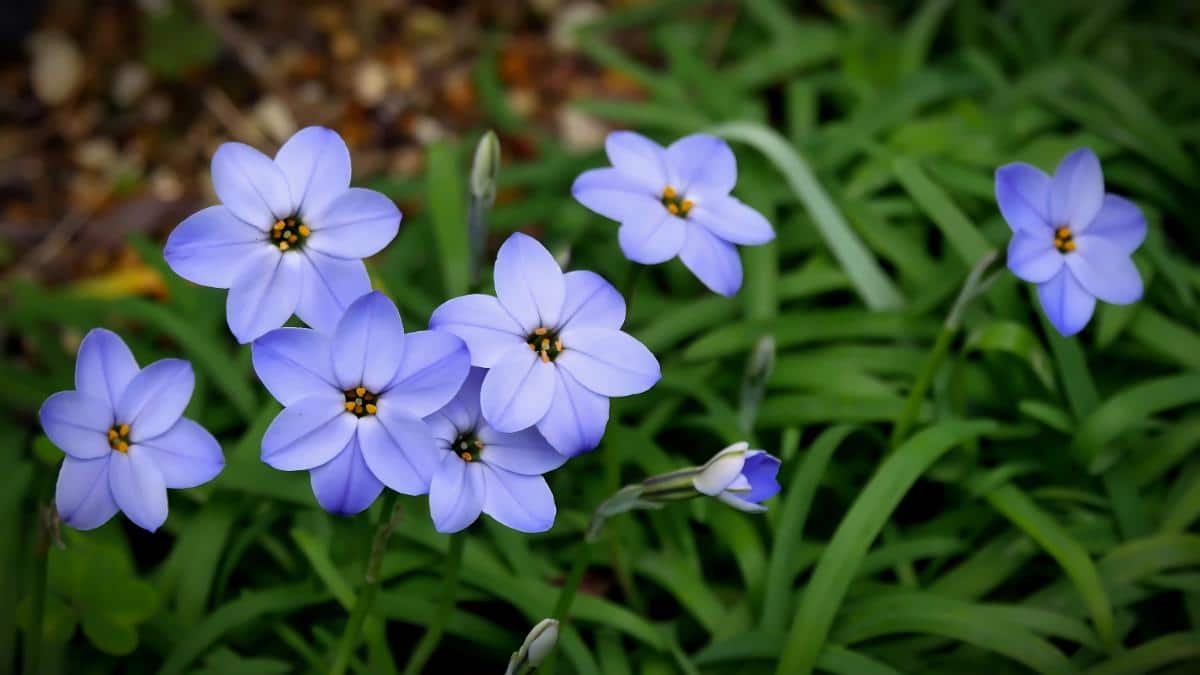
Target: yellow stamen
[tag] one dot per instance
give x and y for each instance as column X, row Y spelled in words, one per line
column 545, row 357
column 686, row 206
column 540, row 330
column 372, row 408
column 545, row 344
column 360, row 391
column 668, row 192
column 467, row 456
column 358, row 410
column 532, row 348
column 283, row 246
column 478, row 443
column 122, row 446
column 559, row 345
column 349, row 406
column 1069, row 245
column 112, row 434
column 277, row 226
column 673, row 208
column 293, row 239
column 123, row 430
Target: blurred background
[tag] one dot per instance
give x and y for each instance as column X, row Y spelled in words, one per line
column 1062, row 540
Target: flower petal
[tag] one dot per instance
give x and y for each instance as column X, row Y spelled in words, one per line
column 1067, row 305
column 523, row 503
column 651, row 237
column 328, row 286
column 211, row 246
column 721, row 471
column 591, row 301
column 730, row 219
column 368, row 343
column 1120, row 221
column 1032, row 256
column 400, row 450
column 1077, row 190
column 517, row 391
column 138, row 488
column 294, row 363
column 714, row 262
column 155, row 399
column 186, row 455
column 358, row 224
column 529, row 282
column 264, row 295
column 702, row 164
column 614, row 194
column 609, row 362
column 1023, row 195
column 82, row 496
column 104, row 366
column 640, row 158
column 316, row 165
column 761, row 471
column 251, row 185
column 481, row 322
column 456, row 494
column 77, row 424
column 525, row 452
column 1104, row 270
column 462, row 413
column 345, row 485
column 431, row 372
column 576, row 419
column 308, row 433
column 740, row 503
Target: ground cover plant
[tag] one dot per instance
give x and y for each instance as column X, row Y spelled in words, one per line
column 929, row 265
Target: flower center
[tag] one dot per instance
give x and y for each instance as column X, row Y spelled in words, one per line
column 1063, row 240
column 289, row 233
column 118, row 437
column 467, row 446
column 361, row 402
column 545, row 343
column 675, row 204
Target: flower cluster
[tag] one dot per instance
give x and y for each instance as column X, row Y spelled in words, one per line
column 502, row 388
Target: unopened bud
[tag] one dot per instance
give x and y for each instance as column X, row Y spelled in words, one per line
column 537, row 646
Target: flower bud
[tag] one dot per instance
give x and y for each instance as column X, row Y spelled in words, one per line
column 486, row 168
column 537, row 646
column 740, row 477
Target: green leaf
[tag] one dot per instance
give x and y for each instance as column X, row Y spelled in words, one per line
column 109, row 635
column 1127, row 409
column 960, row 233
column 444, row 185
column 868, row 278
column 176, row 41
column 862, row 523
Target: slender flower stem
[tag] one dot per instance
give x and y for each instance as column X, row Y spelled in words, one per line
column 366, row 595
column 566, row 596
column 433, row 635
column 974, row 286
column 631, row 283
column 41, row 559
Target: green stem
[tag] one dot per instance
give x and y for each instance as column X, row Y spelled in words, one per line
column 433, row 635
column 41, row 549
column 565, row 597
column 370, row 587
column 629, row 290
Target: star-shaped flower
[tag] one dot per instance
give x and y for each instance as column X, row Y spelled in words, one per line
column 676, row 202
column 289, row 236
column 482, row 469
column 1071, row 238
column 553, row 344
column 125, row 436
column 354, row 403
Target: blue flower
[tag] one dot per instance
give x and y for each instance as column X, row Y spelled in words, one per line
column 676, row 202
column 125, row 436
column 289, row 235
column 740, row 477
column 481, row 469
column 1071, row 238
column 553, row 344
column 354, row 402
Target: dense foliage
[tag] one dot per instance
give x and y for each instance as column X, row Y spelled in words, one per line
column 964, row 489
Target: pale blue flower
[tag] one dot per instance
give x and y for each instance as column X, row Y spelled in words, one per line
column 354, row 402
column 484, row 470
column 289, row 236
column 676, row 202
column 553, row 344
column 1071, row 238
column 125, row 437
